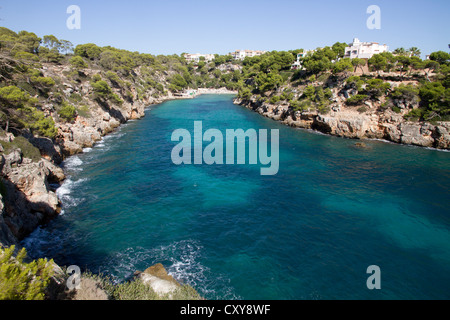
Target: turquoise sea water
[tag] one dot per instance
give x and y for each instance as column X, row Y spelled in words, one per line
column 309, row 232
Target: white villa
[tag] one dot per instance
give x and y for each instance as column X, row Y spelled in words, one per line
column 364, row 50
column 242, row 54
column 196, row 57
column 298, row 64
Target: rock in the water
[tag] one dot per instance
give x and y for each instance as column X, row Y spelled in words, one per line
column 361, row 145
column 159, row 280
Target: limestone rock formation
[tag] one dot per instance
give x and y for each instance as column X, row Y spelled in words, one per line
column 349, row 123
column 159, row 280
column 28, row 199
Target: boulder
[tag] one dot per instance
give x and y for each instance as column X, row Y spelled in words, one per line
column 28, row 201
column 14, row 158
column 55, row 173
column 31, row 180
column 412, row 133
column 49, row 150
column 442, row 137
column 159, row 280
column 71, row 148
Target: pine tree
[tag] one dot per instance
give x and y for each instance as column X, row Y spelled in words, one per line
column 20, row 280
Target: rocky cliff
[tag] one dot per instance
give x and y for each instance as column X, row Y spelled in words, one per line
column 368, row 120
column 28, row 197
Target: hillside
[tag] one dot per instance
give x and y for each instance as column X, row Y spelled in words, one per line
column 56, row 100
column 400, row 97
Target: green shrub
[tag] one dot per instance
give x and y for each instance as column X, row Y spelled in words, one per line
column 136, row 289
column 129, row 96
column 20, row 280
column 245, row 93
column 113, row 77
column 43, row 82
column 96, row 77
column 177, row 83
column 21, row 55
column 14, row 95
column 67, row 112
column 78, row 62
column 355, row 82
column 407, row 92
column 309, row 91
column 75, row 97
column 323, row 108
column 362, row 109
column 274, row 99
column 84, row 111
column 37, row 121
column 160, row 87
column 115, row 99
column 88, row 50
column 377, row 87
column 302, row 105
column 414, row 115
column 396, row 109
column 101, row 89
column 357, row 99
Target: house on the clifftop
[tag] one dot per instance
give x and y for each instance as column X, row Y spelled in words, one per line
column 242, row 54
column 364, row 50
column 196, row 57
column 298, row 63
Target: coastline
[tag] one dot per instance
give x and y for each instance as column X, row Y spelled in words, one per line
column 30, row 196
column 386, row 126
column 84, row 133
column 318, row 132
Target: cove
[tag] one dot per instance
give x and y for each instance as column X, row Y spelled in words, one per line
column 309, row 232
column 235, row 139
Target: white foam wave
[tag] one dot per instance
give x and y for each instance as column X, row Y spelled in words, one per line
column 87, row 150
column 113, row 136
column 409, row 145
column 40, row 243
column 182, row 261
column 64, row 192
column 73, row 163
column 100, row 143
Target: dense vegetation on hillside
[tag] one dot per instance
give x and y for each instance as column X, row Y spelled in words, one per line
column 20, row 280
column 269, row 78
column 33, row 102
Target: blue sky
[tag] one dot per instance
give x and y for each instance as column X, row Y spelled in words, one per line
column 216, row 26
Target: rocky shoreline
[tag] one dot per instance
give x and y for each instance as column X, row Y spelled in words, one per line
column 28, row 187
column 349, row 123
column 29, row 198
